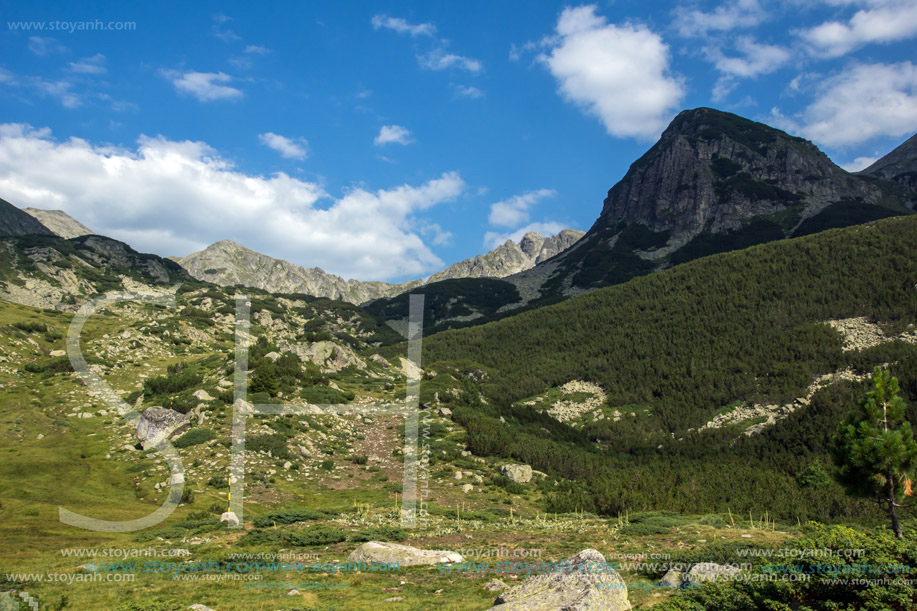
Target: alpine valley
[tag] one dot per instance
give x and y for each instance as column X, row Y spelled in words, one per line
column 663, row 388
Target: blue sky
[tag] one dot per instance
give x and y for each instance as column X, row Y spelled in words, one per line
column 386, row 140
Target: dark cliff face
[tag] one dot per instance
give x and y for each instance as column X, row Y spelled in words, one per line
column 716, row 182
column 713, row 171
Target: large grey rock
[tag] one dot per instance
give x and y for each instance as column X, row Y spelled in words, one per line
column 405, row 555
column 329, row 356
column 521, row 474
column 158, row 424
column 710, row 571
column 231, row 519
column 584, row 582
column 672, row 579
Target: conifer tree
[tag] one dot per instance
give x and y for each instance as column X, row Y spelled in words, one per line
column 875, row 449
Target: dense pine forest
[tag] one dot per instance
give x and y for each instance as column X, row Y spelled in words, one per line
column 676, row 348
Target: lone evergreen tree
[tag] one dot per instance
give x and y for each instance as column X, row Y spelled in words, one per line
column 875, row 449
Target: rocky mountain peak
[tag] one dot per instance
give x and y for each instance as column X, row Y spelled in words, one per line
column 531, row 243
column 712, row 170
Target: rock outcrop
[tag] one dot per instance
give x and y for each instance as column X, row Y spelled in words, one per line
column 58, row 273
column 404, row 555
column 521, row 474
column 227, row 263
column 584, row 582
column 710, row 571
column 673, row 578
column 329, row 356
column 158, row 424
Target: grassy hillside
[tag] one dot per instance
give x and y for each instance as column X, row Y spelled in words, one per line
column 670, row 351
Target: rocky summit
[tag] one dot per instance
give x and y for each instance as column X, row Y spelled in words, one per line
column 716, row 182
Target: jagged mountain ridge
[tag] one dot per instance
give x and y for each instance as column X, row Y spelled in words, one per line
column 59, row 222
column 15, row 222
column 228, row 263
column 511, row 258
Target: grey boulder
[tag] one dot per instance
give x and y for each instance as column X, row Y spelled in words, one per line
column 404, row 555
column 584, row 582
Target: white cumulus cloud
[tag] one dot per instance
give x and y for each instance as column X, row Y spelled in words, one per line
column 882, row 21
column 861, row 103
column 172, row 198
column 618, row 73
column 754, row 58
column 389, row 134
column 205, row 86
column 290, row 148
column 468, row 91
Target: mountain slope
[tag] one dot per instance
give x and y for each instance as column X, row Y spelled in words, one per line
column 900, row 165
column 767, row 341
column 52, row 272
column 714, row 182
column 59, row 222
column 15, row 222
